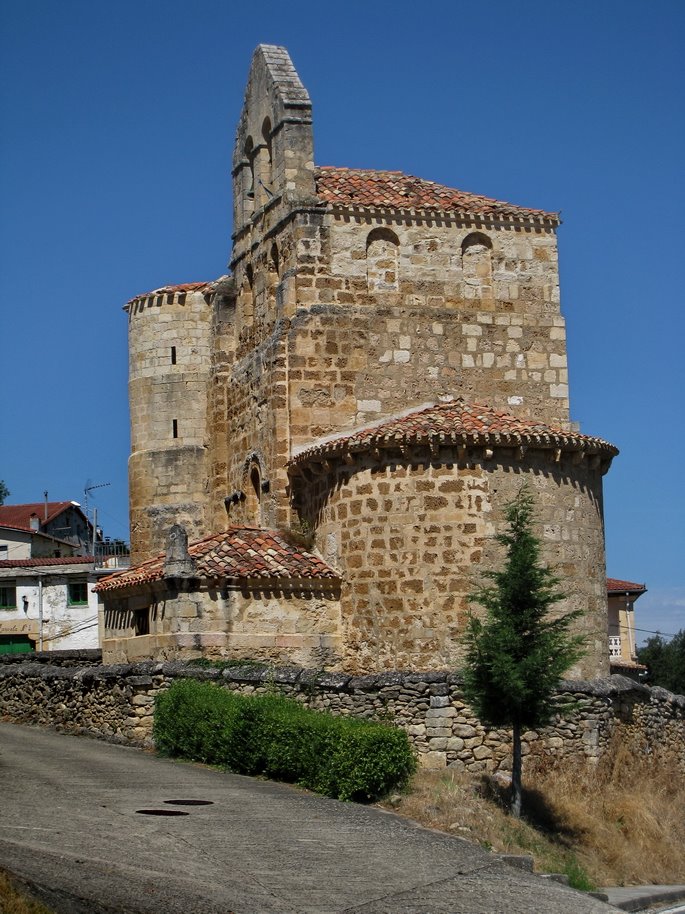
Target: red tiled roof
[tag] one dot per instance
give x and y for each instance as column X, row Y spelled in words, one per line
column 455, row 422
column 614, row 585
column 182, row 287
column 621, row 664
column 239, row 552
column 365, row 187
column 47, row 560
column 19, row 516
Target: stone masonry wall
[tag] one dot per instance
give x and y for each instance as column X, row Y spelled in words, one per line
column 361, row 349
column 412, row 534
column 169, row 356
column 116, row 703
column 272, row 624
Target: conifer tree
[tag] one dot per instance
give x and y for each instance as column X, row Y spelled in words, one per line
column 517, row 655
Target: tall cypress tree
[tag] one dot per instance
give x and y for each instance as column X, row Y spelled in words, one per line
column 517, row 655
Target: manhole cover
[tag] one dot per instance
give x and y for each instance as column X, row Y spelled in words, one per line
column 162, row 812
column 190, row 802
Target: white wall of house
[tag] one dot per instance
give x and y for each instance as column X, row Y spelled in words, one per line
column 68, row 623
column 14, row 544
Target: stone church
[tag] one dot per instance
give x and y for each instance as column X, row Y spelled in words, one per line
column 323, row 440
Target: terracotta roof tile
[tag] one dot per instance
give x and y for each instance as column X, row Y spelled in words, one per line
column 393, row 189
column 47, row 560
column 618, row 663
column 455, row 422
column 19, row 516
column 163, row 290
column 237, row 553
column 614, row 585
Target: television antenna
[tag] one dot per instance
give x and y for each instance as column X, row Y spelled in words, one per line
column 87, row 489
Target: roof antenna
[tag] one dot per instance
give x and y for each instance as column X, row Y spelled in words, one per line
column 89, row 488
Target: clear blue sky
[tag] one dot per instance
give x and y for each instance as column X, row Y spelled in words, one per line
column 118, row 121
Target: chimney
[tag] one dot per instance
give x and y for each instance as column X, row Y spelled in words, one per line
column 45, row 495
column 34, row 522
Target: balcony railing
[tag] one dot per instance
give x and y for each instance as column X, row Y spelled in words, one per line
column 112, row 555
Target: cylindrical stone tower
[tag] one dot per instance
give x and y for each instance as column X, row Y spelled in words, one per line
column 169, row 355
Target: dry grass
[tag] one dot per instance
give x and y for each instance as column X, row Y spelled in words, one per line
column 15, row 900
column 620, row 822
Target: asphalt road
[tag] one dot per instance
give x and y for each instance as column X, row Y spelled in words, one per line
column 70, row 825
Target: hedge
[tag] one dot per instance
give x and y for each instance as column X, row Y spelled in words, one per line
column 341, row 757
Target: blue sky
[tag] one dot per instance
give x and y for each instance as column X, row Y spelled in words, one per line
column 118, row 122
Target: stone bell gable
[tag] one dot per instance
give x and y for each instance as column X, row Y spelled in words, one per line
column 355, row 299
column 273, row 154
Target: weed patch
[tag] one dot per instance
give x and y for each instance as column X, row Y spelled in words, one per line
column 618, row 822
column 14, row 900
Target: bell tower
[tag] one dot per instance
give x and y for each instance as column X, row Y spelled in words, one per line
column 273, row 155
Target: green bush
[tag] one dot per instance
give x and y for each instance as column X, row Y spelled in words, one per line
column 341, row 757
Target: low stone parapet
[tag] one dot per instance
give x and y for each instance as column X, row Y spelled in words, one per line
column 116, row 703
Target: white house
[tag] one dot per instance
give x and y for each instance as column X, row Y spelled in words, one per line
column 48, row 604
column 48, row 528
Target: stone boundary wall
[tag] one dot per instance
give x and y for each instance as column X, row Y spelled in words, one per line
column 116, row 703
column 79, row 658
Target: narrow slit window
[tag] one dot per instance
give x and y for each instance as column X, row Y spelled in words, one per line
column 173, row 355
column 174, row 427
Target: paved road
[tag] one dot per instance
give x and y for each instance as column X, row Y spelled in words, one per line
column 69, row 823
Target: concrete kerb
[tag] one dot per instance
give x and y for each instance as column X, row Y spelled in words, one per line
column 642, row 897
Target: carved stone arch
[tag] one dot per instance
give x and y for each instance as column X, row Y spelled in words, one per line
column 476, row 260
column 382, row 260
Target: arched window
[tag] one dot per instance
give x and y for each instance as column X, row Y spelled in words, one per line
column 253, row 491
column 382, row 261
column 266, row 158
column 246, row 298
column 476, row 259
column 249, row 178
column 274, row 265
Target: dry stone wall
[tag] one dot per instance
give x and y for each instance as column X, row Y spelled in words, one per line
column 116, row 703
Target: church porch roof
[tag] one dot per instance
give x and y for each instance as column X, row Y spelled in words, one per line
column 240, row 552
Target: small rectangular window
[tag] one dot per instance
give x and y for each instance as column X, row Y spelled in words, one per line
column 78, row 593
column 174, row 428
column 173, row 355
column 8, row 596
column 141, row 621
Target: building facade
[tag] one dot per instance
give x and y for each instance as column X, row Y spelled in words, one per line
column 381, row 370
column 49, row 604
column 49, row 528
column 622, row 630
